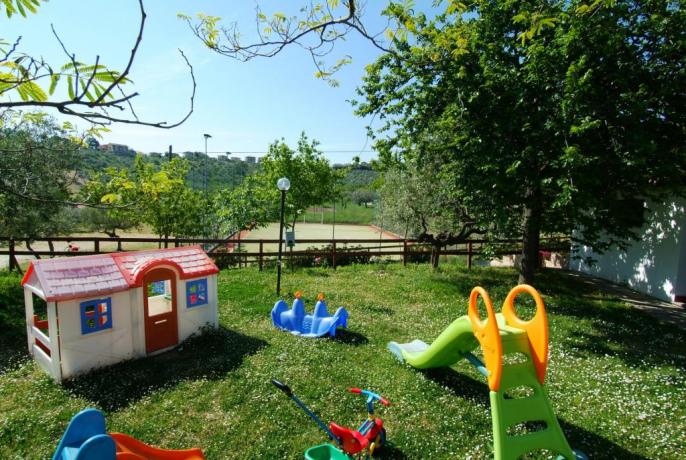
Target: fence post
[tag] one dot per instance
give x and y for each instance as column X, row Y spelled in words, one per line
column 260, row 256
column 176, row 242
column 96, row 246
column 405, row 253
column 469, row 255
column 333, row 254
column 11, row 247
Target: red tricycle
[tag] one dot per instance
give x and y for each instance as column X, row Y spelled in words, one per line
column 368, row 438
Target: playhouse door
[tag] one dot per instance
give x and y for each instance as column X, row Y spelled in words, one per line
column 159, row 298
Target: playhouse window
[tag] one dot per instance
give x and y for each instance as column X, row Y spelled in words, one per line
column 196, row 293
column 96, row 315
column 159, row 297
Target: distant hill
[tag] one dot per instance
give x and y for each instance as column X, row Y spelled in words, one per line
column 222, row 172
column 360, row 177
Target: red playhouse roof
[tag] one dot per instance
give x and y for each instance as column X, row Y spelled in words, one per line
column 87, row 276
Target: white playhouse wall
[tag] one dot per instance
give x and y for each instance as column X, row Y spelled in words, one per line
column 192, row 319
column 82, row 352
column 126, row 339
column 655, row 264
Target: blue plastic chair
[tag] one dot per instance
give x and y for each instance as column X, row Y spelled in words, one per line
column 86, row 438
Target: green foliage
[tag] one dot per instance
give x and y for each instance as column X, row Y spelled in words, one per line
column 418, row 201
column 222, row 173
column 111, row 186
column 23, row 73
column 19, row 6
column 570, row 129
column 146, row 194
column 12, row 319
column 313, row 180
column 37, row 171
column 250, row 205
column 363, row 197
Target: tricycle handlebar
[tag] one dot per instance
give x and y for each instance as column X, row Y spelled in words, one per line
column 370, row 394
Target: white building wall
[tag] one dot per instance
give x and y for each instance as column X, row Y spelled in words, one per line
column 82, row 352
column 656, row 264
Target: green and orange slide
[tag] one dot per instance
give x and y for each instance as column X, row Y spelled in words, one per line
column 515, row 360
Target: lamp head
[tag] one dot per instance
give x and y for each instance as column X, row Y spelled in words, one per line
column 283, row 184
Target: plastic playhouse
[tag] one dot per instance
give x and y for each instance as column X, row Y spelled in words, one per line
column 515, row 358
column 87, row 439
column 107, row 308
column 367, row 439
column 317, row 324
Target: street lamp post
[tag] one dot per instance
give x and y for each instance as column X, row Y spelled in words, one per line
column 206, row 136
column 283, row 185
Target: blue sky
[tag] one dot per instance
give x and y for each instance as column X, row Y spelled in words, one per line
column 244, row 106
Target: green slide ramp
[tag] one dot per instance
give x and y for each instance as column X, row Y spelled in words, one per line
column 448, row 348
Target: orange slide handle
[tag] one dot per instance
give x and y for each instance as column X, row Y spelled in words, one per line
column 486, row 332
column 536, row 328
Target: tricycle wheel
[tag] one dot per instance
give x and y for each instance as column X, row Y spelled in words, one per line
column 378, row 442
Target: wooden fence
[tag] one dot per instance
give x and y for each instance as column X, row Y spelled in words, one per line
column 244, row 252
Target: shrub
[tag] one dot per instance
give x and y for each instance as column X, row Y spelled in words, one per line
column 418, row 254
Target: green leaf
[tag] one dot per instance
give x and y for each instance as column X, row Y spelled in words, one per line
column 521, row 17
column 70, row 87
column 20, row 7
column 54, row 79
column 87, row 93
column 110, row 198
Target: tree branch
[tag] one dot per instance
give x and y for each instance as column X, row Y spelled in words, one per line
column 322, row 26
column 94, row 110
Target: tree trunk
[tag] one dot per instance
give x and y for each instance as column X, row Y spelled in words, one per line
column 28, row 246
column 435, row 256
column 531, row 236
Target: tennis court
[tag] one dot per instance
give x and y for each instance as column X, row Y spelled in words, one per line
column 314, row 232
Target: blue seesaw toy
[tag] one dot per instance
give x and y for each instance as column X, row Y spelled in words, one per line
column 317, row 324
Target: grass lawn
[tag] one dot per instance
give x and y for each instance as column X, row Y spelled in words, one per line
column 616, row 377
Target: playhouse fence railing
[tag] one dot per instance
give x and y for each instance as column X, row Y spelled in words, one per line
column 262, row 253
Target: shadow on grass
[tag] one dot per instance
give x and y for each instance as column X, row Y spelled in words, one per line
column 460, row 384
column 597, row 318
column 348, row 337
column 593, row 445
column 207, row 356
column 390, row 451
column 609, row 327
